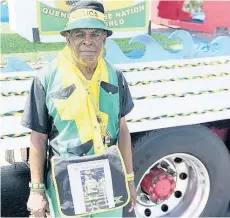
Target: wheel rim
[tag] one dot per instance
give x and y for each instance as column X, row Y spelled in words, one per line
column 190, row 194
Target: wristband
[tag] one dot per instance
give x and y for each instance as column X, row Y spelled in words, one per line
column 36, row 190
column 39, row 186
column 130, row 180
column 130, row 177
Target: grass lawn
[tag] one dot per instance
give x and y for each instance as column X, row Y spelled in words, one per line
column 13, row 43
column 15, row 46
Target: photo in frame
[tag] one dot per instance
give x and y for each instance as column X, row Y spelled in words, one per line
column 91, row 186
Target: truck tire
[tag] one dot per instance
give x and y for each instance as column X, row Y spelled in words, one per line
column 198, row 162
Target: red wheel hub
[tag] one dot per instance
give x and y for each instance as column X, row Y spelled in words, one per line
column 158, row 184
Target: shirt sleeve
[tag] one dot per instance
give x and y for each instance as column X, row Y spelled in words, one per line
column 35, row 116
column 126, row 98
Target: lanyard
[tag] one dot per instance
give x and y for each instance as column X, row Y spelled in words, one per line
column 105, row 138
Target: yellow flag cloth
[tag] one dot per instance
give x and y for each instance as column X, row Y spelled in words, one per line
column 79, row 105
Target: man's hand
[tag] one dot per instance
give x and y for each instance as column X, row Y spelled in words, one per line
column 133, row 195
column 38, row 204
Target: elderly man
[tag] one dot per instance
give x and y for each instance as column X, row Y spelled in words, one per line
column 77, row 105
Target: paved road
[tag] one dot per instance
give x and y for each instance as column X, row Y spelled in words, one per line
column 14, row 189
column 228, row 213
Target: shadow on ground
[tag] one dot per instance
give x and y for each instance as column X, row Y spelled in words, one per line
column 14, row 190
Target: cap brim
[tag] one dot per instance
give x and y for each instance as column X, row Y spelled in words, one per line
column 87, row 23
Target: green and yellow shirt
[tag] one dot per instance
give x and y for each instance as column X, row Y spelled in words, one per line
column 59, row 105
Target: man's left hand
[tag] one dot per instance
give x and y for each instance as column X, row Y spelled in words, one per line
column 133, row 195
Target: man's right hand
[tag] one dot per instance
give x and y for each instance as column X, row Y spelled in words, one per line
column 38, row 204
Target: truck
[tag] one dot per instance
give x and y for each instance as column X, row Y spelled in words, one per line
column 179, row 126
column 181, row 119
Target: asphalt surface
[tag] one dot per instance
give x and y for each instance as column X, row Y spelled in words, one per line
column 228, row 213
column 14, row 189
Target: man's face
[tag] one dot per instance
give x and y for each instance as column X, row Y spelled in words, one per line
column 86, row 44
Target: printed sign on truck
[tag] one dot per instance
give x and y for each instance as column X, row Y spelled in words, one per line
column 120, row 16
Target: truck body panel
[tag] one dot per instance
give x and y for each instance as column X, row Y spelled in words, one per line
column 166, row 94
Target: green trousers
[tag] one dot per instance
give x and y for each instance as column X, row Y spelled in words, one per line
column 54, row 211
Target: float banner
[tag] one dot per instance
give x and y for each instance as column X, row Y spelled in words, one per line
column 133, row 18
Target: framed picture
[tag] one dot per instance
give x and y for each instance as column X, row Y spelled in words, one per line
column 91, row 186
